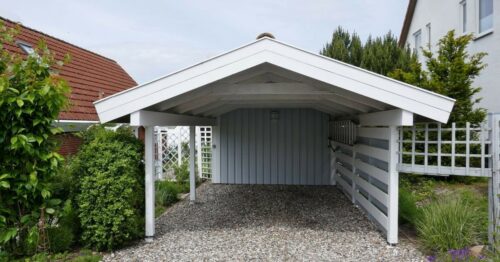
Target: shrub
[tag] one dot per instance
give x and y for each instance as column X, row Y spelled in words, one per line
column 109, row 178
column 167, row 192
column 408, row 211
column 449, row 223
column 60, row 238
column 31, row 98
column 182, row 172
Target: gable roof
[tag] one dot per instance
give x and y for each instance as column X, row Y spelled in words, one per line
column 267, row 51
column 407, row 22
column 91, row 76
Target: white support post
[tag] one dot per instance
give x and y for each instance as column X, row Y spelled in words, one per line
column 354, row 175
column 149, row 182
column 333, row 167
column 192, row 169
column 216, row 152
column 393, row 187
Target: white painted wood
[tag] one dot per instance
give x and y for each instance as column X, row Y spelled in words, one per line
column 381, row 218
column 270, row 51
column 393, row 187
column 453, row 137
column 289, row 150
column 374, row 171
column 192, row 168
column 396, row 117
column 494, row 181
column 216, row 152
column 149, row 181
column 179, row 147
column 151, row 118
column 444, row 170
column 373, row 132
column 467, row 147
column 372, row 190
column 366, row 173
column 374, row 152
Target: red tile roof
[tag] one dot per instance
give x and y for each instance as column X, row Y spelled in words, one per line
column 90, row 75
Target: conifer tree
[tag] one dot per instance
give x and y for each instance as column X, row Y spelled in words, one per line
column 381, row 55
column 450, row 72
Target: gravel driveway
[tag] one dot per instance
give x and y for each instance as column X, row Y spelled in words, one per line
column 271, row 223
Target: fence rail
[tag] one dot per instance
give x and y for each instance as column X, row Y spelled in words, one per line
column 362, row 171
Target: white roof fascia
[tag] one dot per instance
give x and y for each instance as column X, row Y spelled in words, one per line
column 266, row 50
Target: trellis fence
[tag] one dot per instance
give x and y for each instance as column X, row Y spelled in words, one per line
column 172, row 150
column 361, row 164
column 433, row 149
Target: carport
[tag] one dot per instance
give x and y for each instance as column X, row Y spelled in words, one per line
column 282, row 115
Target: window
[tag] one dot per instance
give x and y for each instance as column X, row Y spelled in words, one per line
column 428, row 27
column 463, row 16
column 418, row 41
column 28, row 49
column 485, row 15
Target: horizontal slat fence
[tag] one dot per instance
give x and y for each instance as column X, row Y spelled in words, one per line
column 432, row 149
column 362, row 172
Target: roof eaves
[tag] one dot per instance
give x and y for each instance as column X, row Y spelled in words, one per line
column 407, row 22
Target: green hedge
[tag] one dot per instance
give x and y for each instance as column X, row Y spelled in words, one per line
column 109, row 182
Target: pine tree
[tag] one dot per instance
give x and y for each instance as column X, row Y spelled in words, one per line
column 380, row 55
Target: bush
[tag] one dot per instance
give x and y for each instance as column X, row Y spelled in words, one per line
column 182, row 172
column 167, row 192
column 109, row 177
column 449, row 223
column 409, row 213
column 60, row 238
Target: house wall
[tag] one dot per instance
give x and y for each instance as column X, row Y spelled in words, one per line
column 445, row 15
column 255, row 149
column 69, row 144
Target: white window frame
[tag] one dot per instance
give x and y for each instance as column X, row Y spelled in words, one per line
column 428, row 28
column 478, row 20
column 27, row 48
column 463, row 15
column 418, row 34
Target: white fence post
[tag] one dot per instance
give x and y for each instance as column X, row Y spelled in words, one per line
column 199, row 151
column 393, row 187
column 192, row 170
column 179, row 145
column 494, row 181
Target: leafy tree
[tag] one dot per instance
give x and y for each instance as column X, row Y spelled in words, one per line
column 31, row 97
column 450, row 72
column 380, row 55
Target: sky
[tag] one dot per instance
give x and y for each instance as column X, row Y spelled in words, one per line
column 152, row 38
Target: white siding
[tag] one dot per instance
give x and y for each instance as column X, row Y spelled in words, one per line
column 431, row 11
column 290, row 150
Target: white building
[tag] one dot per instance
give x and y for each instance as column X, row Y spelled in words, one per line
column 427, row 21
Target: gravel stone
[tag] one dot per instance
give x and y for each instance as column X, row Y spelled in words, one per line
column 266, row 223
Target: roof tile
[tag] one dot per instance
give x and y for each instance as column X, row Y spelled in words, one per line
column 90, row 75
